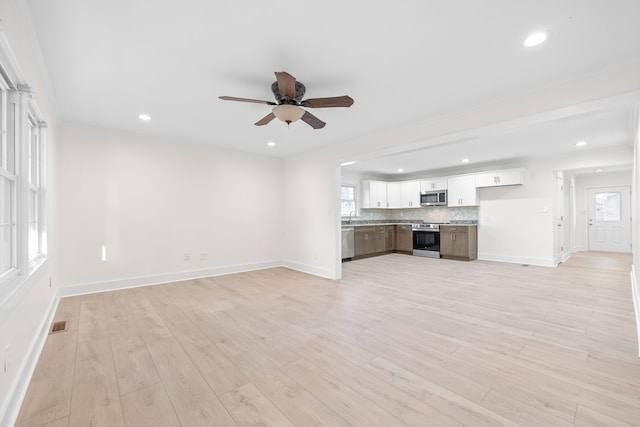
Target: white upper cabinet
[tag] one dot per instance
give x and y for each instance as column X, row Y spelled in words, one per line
column 410, row 194
column 374, row 194
column 433, row 184
column 499, row 178
column 390, row 195
column 462, row 191
column 403, row 194
column 394, row 194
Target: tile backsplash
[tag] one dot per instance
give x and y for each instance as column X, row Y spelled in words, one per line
column 426, row 214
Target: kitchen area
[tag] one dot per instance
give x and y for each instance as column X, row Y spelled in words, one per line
column 432, row 218
column 453, row 240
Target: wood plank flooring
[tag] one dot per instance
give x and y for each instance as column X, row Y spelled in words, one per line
column 399, row 341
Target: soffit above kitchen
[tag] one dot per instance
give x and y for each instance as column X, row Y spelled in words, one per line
column 572, row 135
column 403, row 62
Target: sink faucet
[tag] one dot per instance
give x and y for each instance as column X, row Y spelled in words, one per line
column 350, row 213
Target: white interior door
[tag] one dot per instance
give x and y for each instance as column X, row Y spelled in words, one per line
column 609, row 219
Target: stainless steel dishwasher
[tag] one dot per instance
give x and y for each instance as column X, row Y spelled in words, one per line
column 347, row 243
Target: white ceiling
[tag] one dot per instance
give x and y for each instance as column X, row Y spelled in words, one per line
column 599, row 130
column 403, row 62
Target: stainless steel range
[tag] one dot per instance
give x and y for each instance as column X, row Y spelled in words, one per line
column 426, row 240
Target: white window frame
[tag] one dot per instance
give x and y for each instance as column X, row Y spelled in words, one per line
column 355, row 200
column 23, row 127
column 8, row 172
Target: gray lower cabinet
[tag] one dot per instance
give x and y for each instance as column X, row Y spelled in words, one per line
column 404, row 238
column 459, row 242
column 364, row 239
column 381, row 239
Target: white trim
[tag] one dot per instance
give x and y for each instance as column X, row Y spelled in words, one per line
column 20, row 385
column 563, row 257
column 310, row 269
column 635, row 291
column 136, row 282
column 540, row 262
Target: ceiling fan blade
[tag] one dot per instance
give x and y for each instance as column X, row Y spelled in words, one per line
column 286, row 84
column 266, row 119
column 336, row 101
column 255, row 101
column 312, row 120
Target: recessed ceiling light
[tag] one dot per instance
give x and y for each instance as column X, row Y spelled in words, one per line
column 271, row 144
column 465, row 160
column 400, row 170
column 581, row 143
column 535, row 39
column 352, row 162
column 144, row 117
column 598, row 170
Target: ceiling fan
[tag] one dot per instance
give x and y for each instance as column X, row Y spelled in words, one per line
column 288, row 108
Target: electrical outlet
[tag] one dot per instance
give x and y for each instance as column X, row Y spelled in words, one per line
column 204, row 256
column 187, row 257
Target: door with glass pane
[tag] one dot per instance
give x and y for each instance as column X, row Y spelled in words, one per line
column 609, row 219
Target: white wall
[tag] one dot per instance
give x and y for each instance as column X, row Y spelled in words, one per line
column 583, row 182
column 312, row 215
column 516, row 222
column 150, row 202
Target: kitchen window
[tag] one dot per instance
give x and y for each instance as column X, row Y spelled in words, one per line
column 347, row 200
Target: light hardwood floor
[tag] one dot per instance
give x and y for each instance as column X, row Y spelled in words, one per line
column 400, row 340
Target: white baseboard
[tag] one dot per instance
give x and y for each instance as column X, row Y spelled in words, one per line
column 135, row 282
column 9, row 414
column 635, row 291
column 562, row 258
column 541, row 262
column 309, row 269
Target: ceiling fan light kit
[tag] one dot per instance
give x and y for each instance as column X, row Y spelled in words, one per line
column 288, row 113
column 288, row 108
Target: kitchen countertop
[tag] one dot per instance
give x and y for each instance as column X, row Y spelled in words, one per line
column 373, row 223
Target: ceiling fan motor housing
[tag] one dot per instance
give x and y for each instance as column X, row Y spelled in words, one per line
column 283, row 100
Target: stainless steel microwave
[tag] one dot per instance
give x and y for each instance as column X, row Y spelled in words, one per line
column 433, row 198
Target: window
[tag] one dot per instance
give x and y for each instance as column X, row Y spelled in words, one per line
column 23, row 243
column 34, row 178
column 7, row 191
column 608, row 207
column 348, row 200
